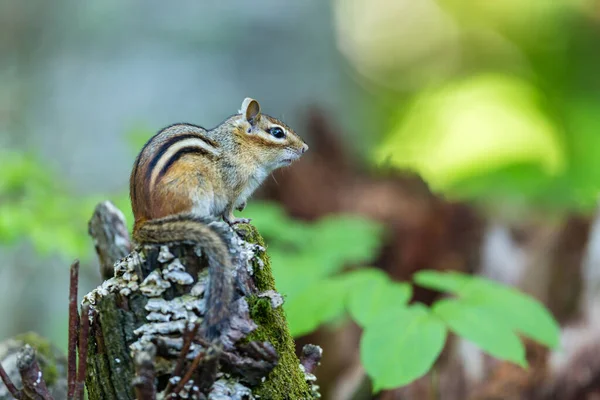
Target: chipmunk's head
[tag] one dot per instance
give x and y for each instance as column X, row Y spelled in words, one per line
column 273, row 143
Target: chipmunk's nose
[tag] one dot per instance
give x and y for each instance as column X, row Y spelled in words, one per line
column 304, row 148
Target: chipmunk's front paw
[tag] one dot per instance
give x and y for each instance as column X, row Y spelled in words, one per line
column 241, row 207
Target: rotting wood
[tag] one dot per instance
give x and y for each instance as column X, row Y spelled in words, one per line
column 157, row 295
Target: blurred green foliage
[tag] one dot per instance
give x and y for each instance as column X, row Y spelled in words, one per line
column 512, row 119
column 37, row 206
column 473, row 128
column 488, row 138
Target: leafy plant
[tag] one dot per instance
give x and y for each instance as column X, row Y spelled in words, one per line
column 400, row 341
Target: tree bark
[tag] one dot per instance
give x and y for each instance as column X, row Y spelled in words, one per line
column 144, row 340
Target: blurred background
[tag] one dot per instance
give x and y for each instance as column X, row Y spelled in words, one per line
column 469, row 132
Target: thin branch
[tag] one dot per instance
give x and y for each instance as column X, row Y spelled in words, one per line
column 189, row 373
column 84, row 335
column 16, row 393
column 188, row 338
column 73, row 331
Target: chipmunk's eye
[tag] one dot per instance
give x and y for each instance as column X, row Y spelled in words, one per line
column 277, row 132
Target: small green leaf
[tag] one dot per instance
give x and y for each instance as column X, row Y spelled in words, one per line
column 482, row 328
column 451, row 282
column 358, row 277
column 373, row 296
column 401, row 346
column 519, row 311
column 516, row 310
column 267, row 214
column 276, row 227
column 358, row 237
column 294, row 270
column 311, row 302
column 316, row 304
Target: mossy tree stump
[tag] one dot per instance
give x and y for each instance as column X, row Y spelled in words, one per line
column 148, row 310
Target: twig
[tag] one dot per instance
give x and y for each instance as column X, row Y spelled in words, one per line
column 84, row 335
column 189, row 373
column 73, row 331
column 188, row 338
column 34, row 386
column 16, row 393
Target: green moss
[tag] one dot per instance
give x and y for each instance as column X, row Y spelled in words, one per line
column 286, row 381
column 259, row 309
column 51, row 360
column 114, row 323
column 98, row 371
column 110, row 369
column 39, row 343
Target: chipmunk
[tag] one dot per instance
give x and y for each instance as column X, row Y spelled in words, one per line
column 186, row 176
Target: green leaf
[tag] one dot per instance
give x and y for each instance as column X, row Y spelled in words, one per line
column 360, row 276
column 349, row 238
column 482, row 328
column 275, row 226
column 316, row 304
column 452, row 282
column 294, row 270
column 311, row 302
column 520, row 312
column 401, row 346
column 374, row 295
column 516, row 310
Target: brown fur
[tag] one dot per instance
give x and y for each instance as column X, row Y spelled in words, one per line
column 186, row 175
column 227, row 175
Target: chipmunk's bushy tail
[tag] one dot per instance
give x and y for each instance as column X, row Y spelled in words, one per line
column 213, row 241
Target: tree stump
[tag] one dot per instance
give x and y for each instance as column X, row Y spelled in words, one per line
column 144, row 334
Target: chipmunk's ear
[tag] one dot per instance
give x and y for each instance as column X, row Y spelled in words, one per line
column 250, row 110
